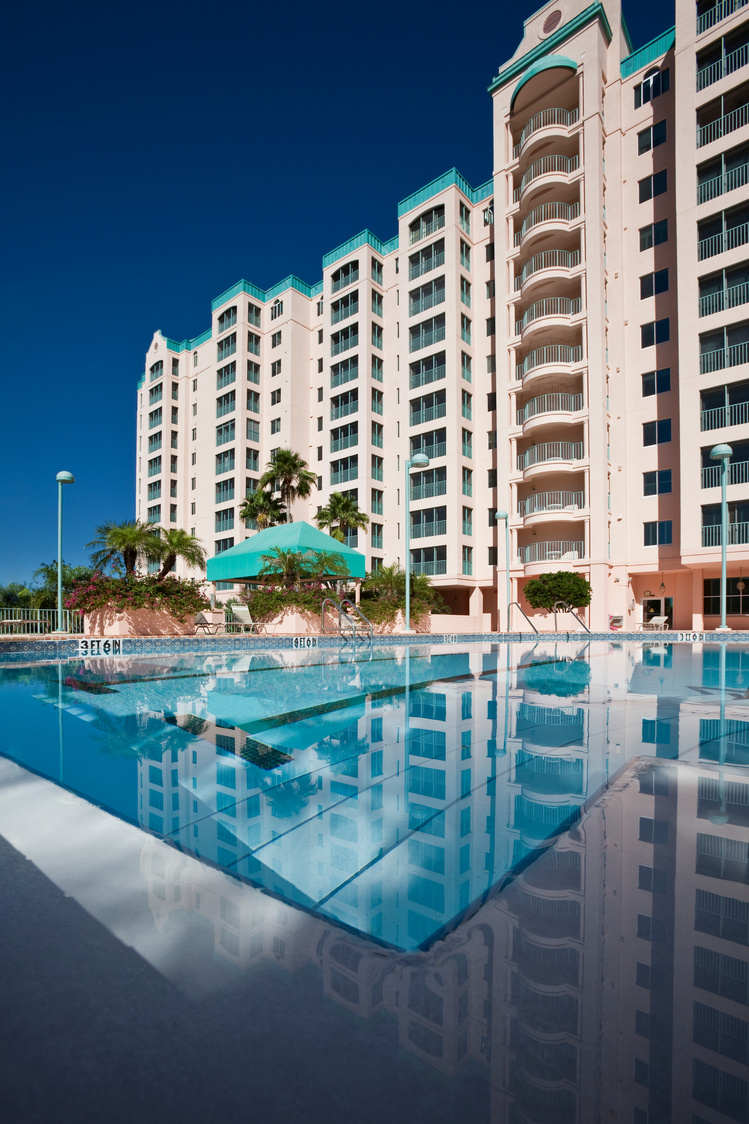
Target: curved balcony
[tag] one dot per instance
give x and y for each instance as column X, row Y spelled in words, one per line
column 554, row 167
column 551, row 312
column 548, row 265
column 546, row 122
column 552, row 355
column 558, row 453
column 550, row 776
column 555, row 551
column 543, row 821
column 549, row 409
column 547, row 218
column 544, row 505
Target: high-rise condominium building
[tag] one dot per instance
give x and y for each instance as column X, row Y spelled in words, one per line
column 566, row 343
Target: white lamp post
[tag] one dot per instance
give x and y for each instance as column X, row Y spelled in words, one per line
column 62, row 478
column 418, row 460
column 723, row 453
column 503, row 515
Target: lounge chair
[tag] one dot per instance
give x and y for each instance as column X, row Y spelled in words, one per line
column 242, row 619
column 208, row 628
column 655, row 624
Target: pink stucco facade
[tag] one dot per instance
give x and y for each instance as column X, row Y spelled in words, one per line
column 566, row 342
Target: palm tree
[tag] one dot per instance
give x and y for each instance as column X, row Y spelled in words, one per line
column 293, row 567
column 177, row 543
column 293, row 474
column 341, row 514
column 264, row 508
column 125, row 542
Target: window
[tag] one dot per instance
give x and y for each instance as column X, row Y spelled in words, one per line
column 194, row 358
column 656, row 483
column 346, row 275
column 253, row 315
column 654, row 234
column 225, row 491
column 429, row 560
column 490, row 289
column 465, row 292
column 224, row 462
column 376, row 271
column 490, row 251
column 467, row 478
column 377, row 303
column 656, row 382
column 276, row 310
column 253, row 401
column 378, row 368
column 377, row 336
column 345, row 371
column 275, row 397
column 253, row 372
column 226, row 403
column 377, row 467
column 319, row 366
column 466, row 366
column 275, row 339
column 656, row 732
column 657, row 534
column 654, row 283
column 656, row 432
column 275, row 425
column 342, row 309
column 225, row 433
column 154, row 418
column 275, row 368
column 252, row 460
column 253, row 431
column 344, row 340
column 653, row 185
column 491, row 326
column 378, row 435
column 319, row 394
column 320, row 305
column 154, row 466
column 175, row 415
column 431, row 257
column 154, row 513
column 226, row 347
column 224, row 544
column 253, row 343
column 465, row 328
column 377, row 401
column 465, row 218
column 657, row 331
column 428, row 332
column 226, row 375
column 651, row 137
column 194, row 385
column 227, row 319
column 156, row 370
column 427, row 223
column 491, row 478
column 655, row 83
column 155, row 394
column 491, row 439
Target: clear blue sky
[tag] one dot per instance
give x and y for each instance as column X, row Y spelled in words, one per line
column 156, row 153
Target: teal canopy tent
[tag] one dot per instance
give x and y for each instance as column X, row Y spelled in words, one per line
column 245, row 561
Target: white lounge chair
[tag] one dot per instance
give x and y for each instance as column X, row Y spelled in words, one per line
column 242, row 619
column 208, row 628
column 655, row 624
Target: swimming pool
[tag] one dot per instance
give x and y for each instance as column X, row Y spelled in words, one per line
column 531, row 861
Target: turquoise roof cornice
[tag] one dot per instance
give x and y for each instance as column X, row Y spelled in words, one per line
column 290, row 282
column 188, row 345
column 452, row 178
column 649, row 53
column 549, row 62
column 365, row 238
column 591, row 13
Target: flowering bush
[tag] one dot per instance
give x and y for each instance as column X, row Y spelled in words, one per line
column 181, row 597
column 268, row 602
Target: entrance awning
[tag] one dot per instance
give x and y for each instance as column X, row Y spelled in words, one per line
column 245, row 561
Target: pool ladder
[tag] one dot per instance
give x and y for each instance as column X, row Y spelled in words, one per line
column 563, row 607
column 351, row 620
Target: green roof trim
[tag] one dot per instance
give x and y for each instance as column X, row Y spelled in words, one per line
column 142, row 380
column 365, row 238
column 452, row 178
column 591, row 13
column 290, row 282
column 649, row 53
column 551, row 62
column 627, row 36
column 188, row 345
column 244, row 561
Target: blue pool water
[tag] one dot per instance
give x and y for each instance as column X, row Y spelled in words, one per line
column 502, row 883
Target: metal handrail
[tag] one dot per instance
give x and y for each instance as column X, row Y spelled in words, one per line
column 530, row 622
column 567, row 609
column 349, row 614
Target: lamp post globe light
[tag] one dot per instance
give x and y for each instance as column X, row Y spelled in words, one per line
column 62, row 478
column 418, row 460
column 723, row 453
column 504, row 515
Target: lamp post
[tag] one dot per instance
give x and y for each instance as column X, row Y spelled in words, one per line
column 505, row 516
column 62, row 478
column 418, row 460
column 723, row 453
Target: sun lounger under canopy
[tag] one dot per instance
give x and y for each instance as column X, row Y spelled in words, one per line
column 245, row 561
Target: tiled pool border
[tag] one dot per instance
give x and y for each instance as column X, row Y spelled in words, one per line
column 43, row 651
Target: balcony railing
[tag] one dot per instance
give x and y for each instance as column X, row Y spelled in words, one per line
column 727, row 298
column 377, row 469
column 438, row 567
column 429, row 300
column 425, row 229
column 738, row 473
column 376, row 541
column 344, row 280
column 550, row 451
column 467, row 526
column 344, row 410
column 431, row 374
column 434, row 261
column 556, row 551
column 717, row 13
column 732, row 356
column 547, row 166
column 17, row 622
column 551, row 501
column 339, row 314
column 543, row 356
column 719, row 185
column 544, row 120
column 338, row 378
column 552, row 306
column 427, row 530
column 549, row 404
column 426, row 339
column 226, row 408
column 549, row 259
column 428, row 414
column 714, row 71
column 722, row 126
column 344, row 344
column 344, row 474
column 547, row 212
column 432, row 451
column 467, row 449
column 155, row 469
column 738, row 535
column 428, row 491
column 726, row 240
column 347, row 442
column 723, row 416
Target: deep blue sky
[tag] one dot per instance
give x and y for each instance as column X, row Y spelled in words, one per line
column 156, row 153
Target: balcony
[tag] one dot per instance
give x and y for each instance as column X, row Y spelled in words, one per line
column 542, row 502
column 343, row 313
column 426, row 229
column 347, row 442
column 428, row 491
column 344, row 410
column 738, row 535
column 549, row 259
column 549, row 404
column 428, row 414
column 155, row 468
column 426, row 375
column 717, row 13
column 425, row 302
column 738, row 473
column 429, row 568
column 729, row 64
column 550, row 452
column 226, row 408
column 727, row 298
column 377, row 507
column 552, row 306
column 724, row 416
column 729, row 239
column 434, row 261
column 432, row 451
column 467, row 449
column 376, row 540
column 426, row 339
column 344, row 474
column 547, row 212
column 546, row 166
column 557, row 551
column 468, row 527
column 552, row 354
column 722, row 126
column 427, row 530
column 546, row 119
column 720, row 185
column 345, row 344
column 733, row 356
column 344, row 280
